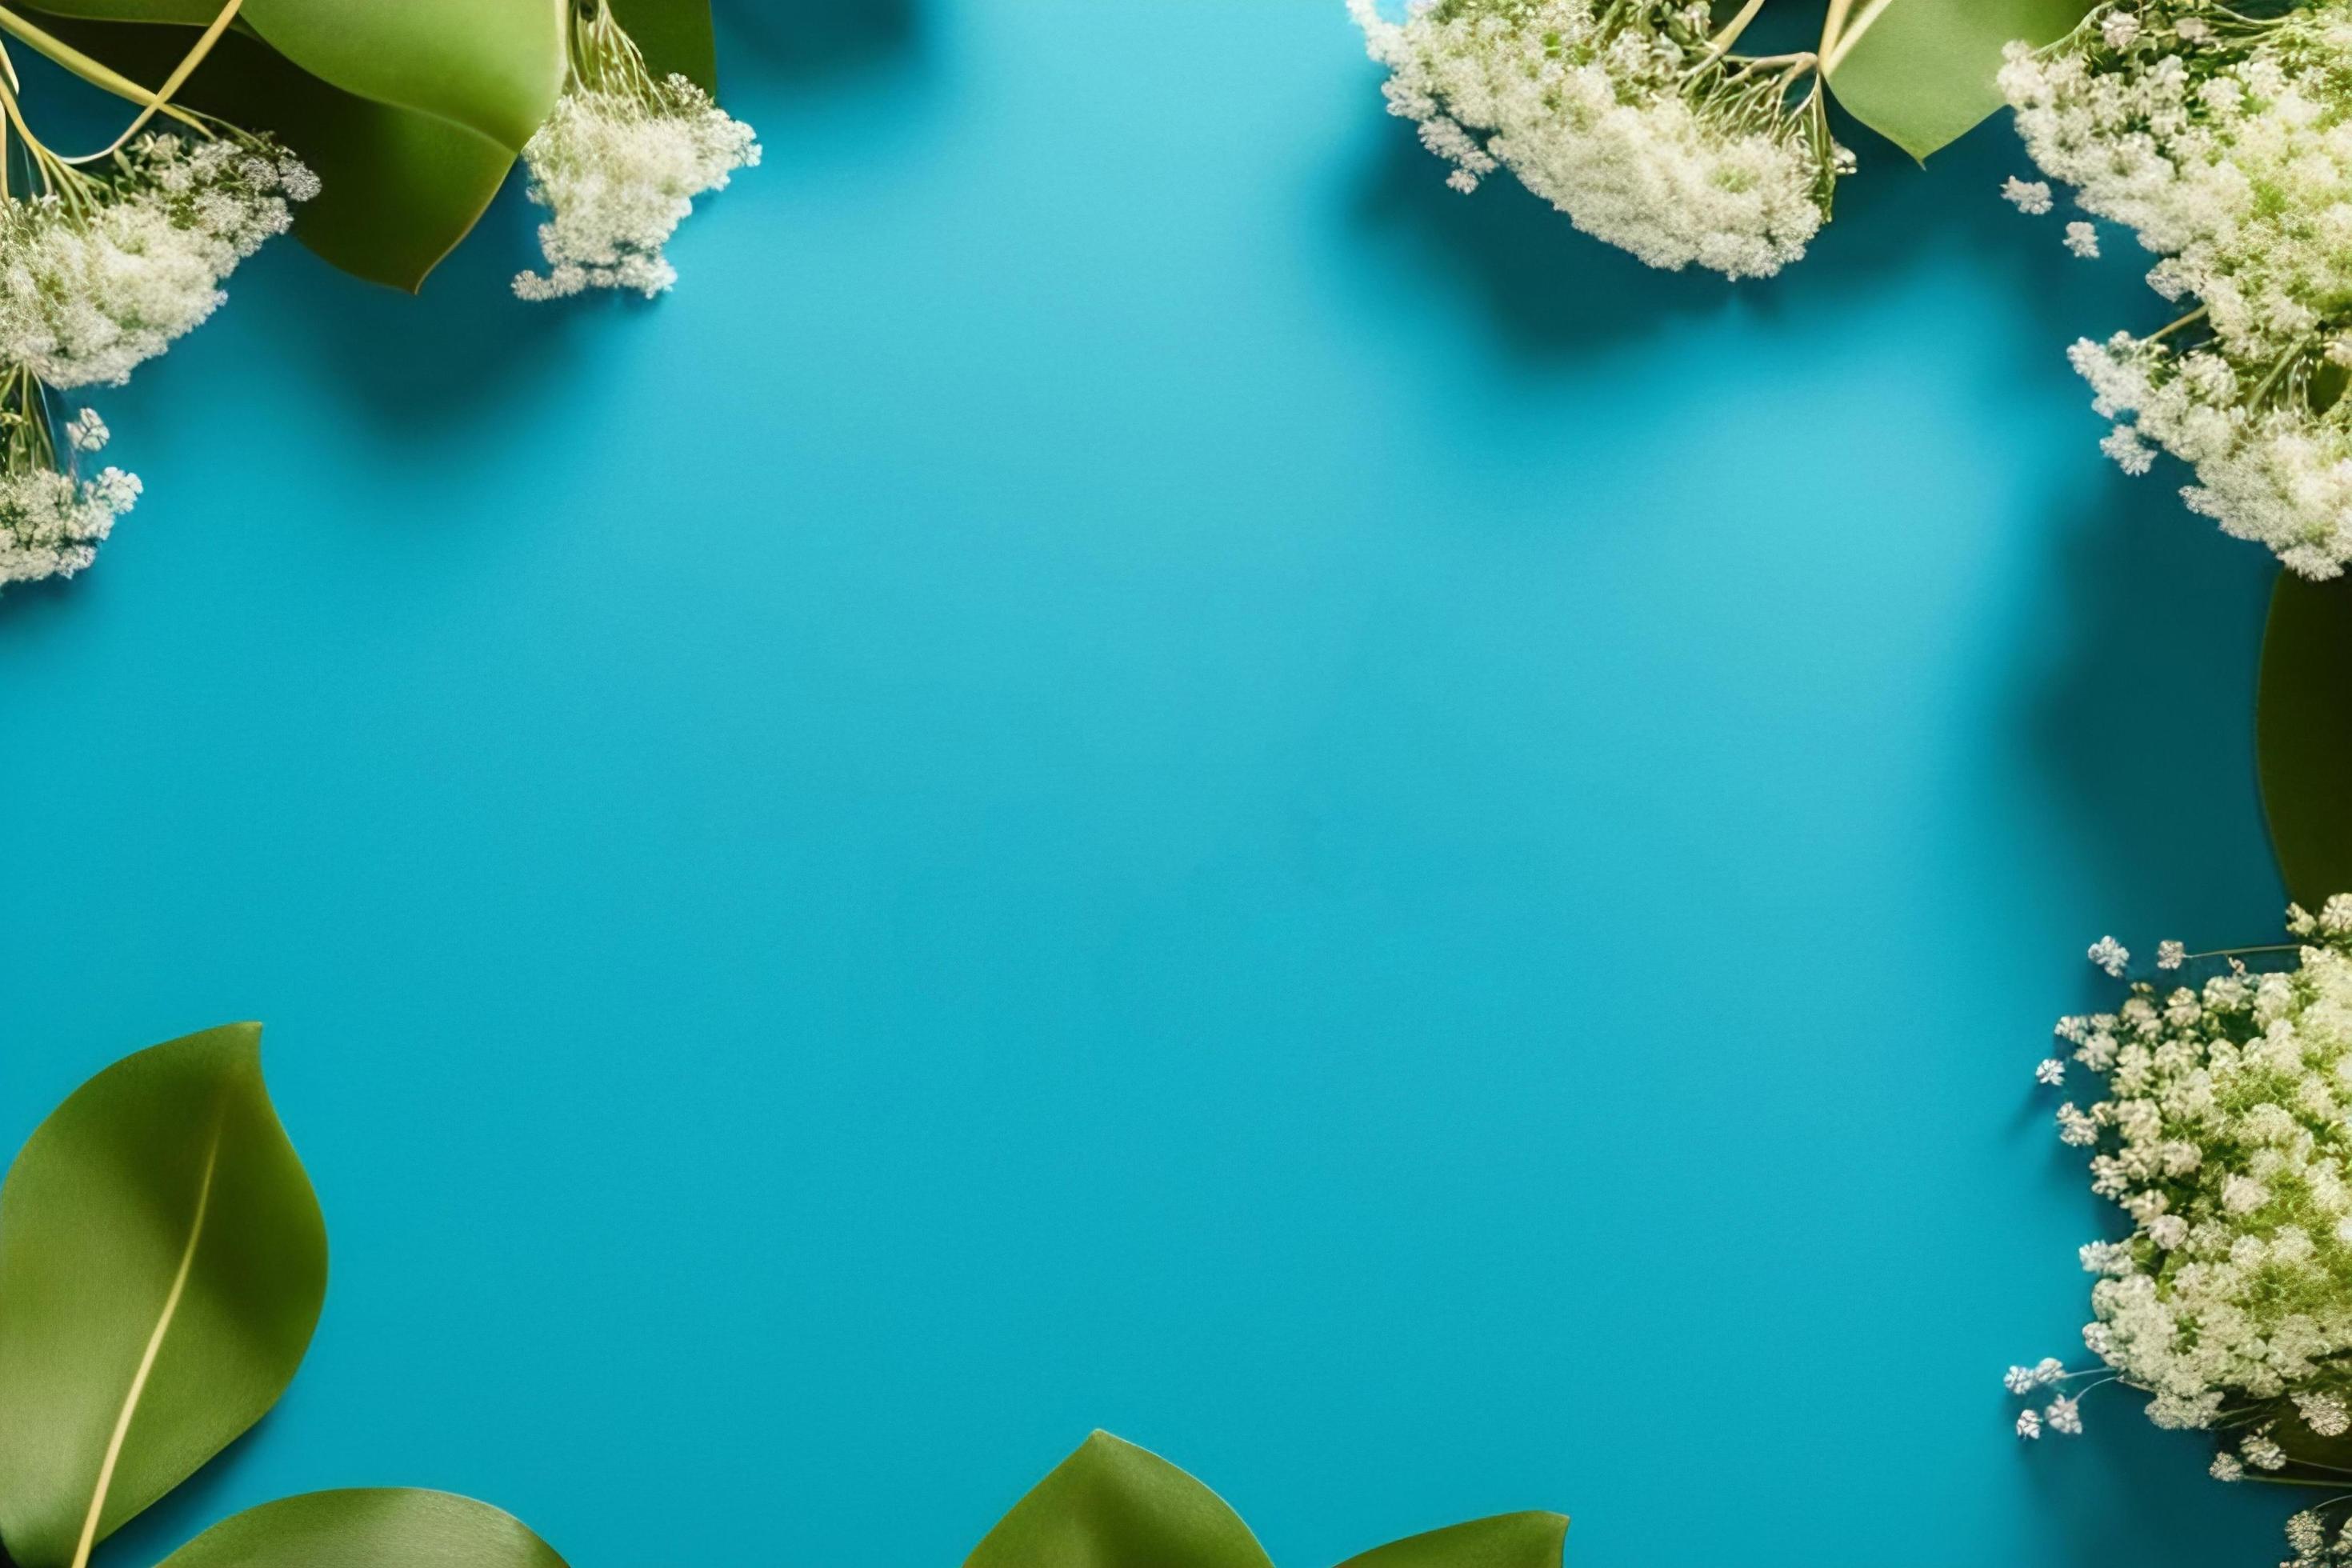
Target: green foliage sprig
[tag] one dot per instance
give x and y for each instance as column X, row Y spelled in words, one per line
column 1113, row 1505
column 162, row 1265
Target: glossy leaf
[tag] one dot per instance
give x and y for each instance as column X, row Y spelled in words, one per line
column 196, row 12
column 2302, row 735
column 162, row 1264
column 1113, row 1505
column 492, row 66
column 1923, row 73
column 399, row 189
column 675, row 36
column 1504, row 1541
column 377, row 1528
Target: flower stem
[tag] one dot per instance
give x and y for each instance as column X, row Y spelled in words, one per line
column 95, row 72
column 1721, row 43
column 1834, row 50
column 171, row 84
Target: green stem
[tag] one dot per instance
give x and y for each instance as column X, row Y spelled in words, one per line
column 95, row 72
column 171, row 84
column 1834, row 52
column 1721, row 43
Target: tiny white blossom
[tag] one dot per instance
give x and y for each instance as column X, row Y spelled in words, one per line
column 2029, row 197
column 2120, row 28
column 2170, row 954
column 86, row 432
column 2110, row 955
column 2083, row 239
column 2050, row 1073
column 2131, row 454
column 2066, row 1415
column 2325, row 1411
column 2261, row 1451
column 2226, row 1466
column 2029, row 1424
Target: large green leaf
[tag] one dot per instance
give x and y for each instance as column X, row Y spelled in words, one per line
column 389, row 1527
column 1923, row 73
column 161, row 1266
column 2302, row 735
column 196, row 12
column 399, row 189
column 675, row 36
column 1112, row 1505
column 492, row 66
column 1504, row 1541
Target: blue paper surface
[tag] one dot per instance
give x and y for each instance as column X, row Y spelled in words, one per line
column 1132, row 768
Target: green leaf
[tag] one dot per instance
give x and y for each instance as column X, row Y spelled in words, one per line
column 1504, row 1541
column 398, row 189
column 2302, row 735
column 1112, row 1505
column 492, row 66
column 1923, row 73
column 196, row 13
column 389, row 1527
column 161, row 1266
column 675, row 36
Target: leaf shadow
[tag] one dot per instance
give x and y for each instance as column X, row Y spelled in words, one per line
column 1548, row 292
column 2143, row 720
column 436, row 359
column 1543, row 287
column 796, row 40
column 185, row 1511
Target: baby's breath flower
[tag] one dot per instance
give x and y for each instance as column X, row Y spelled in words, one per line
column 86, row 432
column 52, row 519
column 2225, row 1134
column 2170, row 954
column 2110, row 955
column 2030, row 197
column 2224, row 140
column 619, row 164
column 103, row 273
column 1623, row 115
column 2325, row 1411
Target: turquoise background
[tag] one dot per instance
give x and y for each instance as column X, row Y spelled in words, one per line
column 1132, row 768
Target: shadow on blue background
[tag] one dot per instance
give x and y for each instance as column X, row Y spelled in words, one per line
column 1132, row 768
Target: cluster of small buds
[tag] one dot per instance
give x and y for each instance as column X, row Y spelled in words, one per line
column 52, row 517
column 2223, row 140
column 52, row 524
column 2316, row 1543
column 101, row 275
column 1630, row 116
column 2225, row 1135
column 2064, row 1414
column 619, row 164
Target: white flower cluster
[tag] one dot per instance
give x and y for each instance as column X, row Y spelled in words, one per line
column 98, row 276
column 2226, row 1134
column 1624, row 115
column 51, row 524
column 2225, row 142
column 619, row 164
